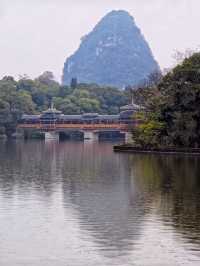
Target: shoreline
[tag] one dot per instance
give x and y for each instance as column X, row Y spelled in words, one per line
column 173, row 151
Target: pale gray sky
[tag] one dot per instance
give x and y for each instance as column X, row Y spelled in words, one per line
column 38, row 35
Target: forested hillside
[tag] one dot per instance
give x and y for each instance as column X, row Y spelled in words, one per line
column 33, row 96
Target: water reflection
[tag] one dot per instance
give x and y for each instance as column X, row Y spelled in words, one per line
column 85, row 205
column 110, row 208
column 174, row 182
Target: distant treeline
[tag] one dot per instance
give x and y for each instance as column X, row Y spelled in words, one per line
column 28, row 96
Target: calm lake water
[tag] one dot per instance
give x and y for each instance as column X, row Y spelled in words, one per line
column 79, row 204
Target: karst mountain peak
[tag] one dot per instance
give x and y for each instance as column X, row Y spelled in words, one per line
column 114, row 53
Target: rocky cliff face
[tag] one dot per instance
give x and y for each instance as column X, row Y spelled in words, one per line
column 115, row 53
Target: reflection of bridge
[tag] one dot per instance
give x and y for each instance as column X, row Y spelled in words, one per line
column 52, row 122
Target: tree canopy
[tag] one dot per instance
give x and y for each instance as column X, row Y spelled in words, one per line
column 173, row 108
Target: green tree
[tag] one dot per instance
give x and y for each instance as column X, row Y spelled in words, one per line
column 176, row 106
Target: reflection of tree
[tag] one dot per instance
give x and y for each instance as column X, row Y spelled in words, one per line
column 174, row 183
column 29, row 167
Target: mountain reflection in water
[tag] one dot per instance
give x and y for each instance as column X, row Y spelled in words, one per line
column 74, row 203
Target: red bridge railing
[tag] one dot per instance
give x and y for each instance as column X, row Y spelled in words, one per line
column 52, row 127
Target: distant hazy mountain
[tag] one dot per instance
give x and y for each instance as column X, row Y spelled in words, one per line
column 115, row 53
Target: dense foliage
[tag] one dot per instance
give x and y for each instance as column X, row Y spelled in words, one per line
column 28, row 96
column 173, row 108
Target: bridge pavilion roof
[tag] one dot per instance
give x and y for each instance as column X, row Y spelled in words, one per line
column 112, row 117
column 89, row 117
column 82, row 117
column 52, row 111
column 131, row 107
column 31, row 117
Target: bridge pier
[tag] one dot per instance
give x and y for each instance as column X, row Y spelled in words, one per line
column 51, row 136
column 90, row 135
column 128, row 137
